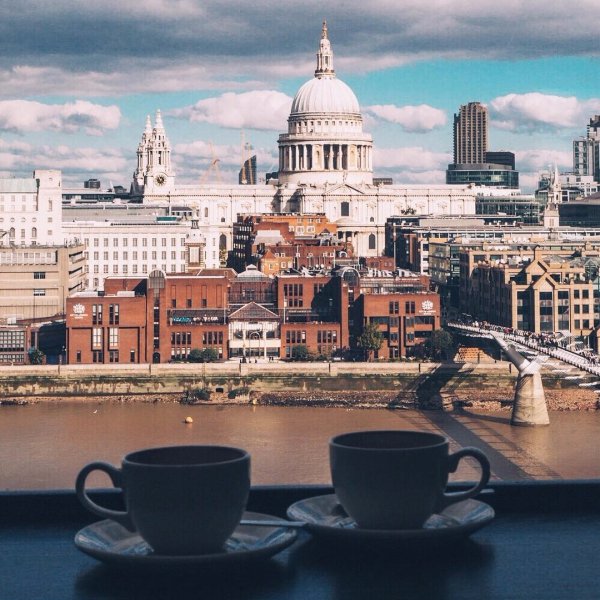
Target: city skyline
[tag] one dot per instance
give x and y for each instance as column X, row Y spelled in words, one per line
column 78, row 82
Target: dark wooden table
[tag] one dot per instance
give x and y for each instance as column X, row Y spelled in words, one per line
column 544, row 543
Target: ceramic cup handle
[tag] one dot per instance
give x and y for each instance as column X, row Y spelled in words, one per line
column 115, row 476
column 453, row 461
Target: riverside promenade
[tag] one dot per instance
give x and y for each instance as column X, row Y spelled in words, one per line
column 488, row 384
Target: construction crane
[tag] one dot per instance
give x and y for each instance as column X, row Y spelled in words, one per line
column 213, row 167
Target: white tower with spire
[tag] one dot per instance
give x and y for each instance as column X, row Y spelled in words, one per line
column 555, row 187
column 551, row 216
column 325, row 143
column 153, row 173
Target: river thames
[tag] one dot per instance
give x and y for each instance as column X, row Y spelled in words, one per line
column 45, row 445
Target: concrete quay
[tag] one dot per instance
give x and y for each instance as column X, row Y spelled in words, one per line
column 447, row 386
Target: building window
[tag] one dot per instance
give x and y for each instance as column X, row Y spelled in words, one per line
column 39, row 292
column 39, row 275
column 113, row 337
column 113, row 356
column 372, row 241
column 78, row 356
column 97, row 356
column 132, row 356
column 212, row 338
column 96, row 337
column 113, row 314
column 345, row 209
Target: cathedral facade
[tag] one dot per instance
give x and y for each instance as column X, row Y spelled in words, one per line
column 325, row 166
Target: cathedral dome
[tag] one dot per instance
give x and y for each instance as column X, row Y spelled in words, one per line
column 325, row 95
column 325, row 142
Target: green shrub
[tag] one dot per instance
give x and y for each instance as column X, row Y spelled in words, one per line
column 235, row 392
column 203, row 355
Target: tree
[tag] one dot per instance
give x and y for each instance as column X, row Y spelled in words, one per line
column 36, row 356
column 198, row 355
column 440, row 344
column 300, row 353
column 370, row 340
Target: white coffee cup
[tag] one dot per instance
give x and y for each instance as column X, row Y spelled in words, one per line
column 182, row 500
column 397, row 479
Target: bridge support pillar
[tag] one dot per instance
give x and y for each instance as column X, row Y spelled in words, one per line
column 529, row 409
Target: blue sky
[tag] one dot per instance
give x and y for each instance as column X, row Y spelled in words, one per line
column 77, row 80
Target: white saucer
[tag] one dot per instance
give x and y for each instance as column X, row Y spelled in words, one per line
column 111, row 543
column 325, row 517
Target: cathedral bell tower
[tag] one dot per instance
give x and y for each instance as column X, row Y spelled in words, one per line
column 153, row 174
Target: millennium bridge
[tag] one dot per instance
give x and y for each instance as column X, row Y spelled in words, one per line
column 527, row 352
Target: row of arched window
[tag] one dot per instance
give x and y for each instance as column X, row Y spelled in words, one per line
column 12, row 233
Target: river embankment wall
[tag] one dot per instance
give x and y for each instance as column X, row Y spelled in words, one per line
column 445, row 386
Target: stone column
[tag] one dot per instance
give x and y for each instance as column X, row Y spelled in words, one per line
column 530, row 408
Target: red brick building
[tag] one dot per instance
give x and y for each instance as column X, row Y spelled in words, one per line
column 403, row 308
column 314, row 312
column 162, row 318
column 252, row 231
column 109, row 328
column 308, row 253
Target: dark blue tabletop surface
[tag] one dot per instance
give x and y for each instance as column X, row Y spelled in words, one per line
column 543, row 543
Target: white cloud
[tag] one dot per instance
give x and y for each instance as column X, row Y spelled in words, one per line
column 77, row 163
column 414, row 158
column 20, row 116
column 421, row 178
column 540, row 112
column 542, row 159
column 214, row 44
column 417, row 119
column 167, row 76
column 259, row 109
column 211, row 163
column 528, row 182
